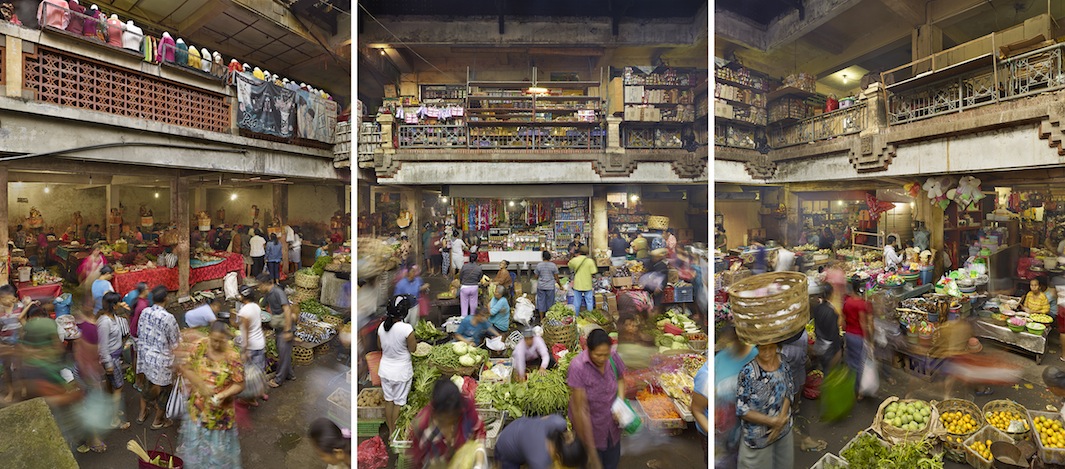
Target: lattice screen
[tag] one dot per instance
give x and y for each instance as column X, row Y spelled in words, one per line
column 67, row 80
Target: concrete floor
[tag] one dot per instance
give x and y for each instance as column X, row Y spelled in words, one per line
column 277, row 437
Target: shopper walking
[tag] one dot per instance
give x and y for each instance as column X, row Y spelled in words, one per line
column 546, row 283
column 215, row 376
column 857, row 328
column 253, row 340
column 537, row 442
column 257, row 250
column 434, row 255
column 102, row 285
column 445, row 253
column 138, row 304
column 582, row 268
column 279, row 305
column 764, row 407
column 411, row 285
column 396, row 340
column 245, row 250
column 332, row 445
column 157, row 337
column 445, row 425
column 618, row 247
column 110, row 348
column 595, row 381
column 826, row 329
column 295, row 249
column 274, row 256
column 728, row 363
column 458, row 252
column 470, row 277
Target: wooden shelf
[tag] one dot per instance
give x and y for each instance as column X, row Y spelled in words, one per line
column 563, row 98
column 520, row 98
column 532, row 123
column 786, row 120
column 568, row 84
column 660, row 86
column 499, row 109
column 789, row 91
column 732, row 101
column 737, row 122
column 658, row 104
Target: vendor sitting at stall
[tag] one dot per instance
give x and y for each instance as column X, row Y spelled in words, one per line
column 1035, row 301
column 500, row 310
column 475, row 327
column 205, row 314
column 892, row 260
column 530, row 353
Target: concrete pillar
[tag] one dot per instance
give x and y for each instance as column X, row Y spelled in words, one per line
column 199, row 200
column 5, row 256
column 179, row 206
column 13, row 79
column 875, row 109
column 113, row 199
column 281, row 211
column 600, row 229
column 415, row 230
column 613, row 135
column 925, row 40
column 386, row 121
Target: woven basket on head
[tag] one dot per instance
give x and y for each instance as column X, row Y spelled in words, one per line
column 656, row 222
column 766, row 318
column 302, row 355
column 953, row 448
column 1003, row 405
column 306, row 280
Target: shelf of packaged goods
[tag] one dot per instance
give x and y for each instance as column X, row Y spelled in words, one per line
column 500, row 109
column 532, row 123
column 737, row 84
column 546, row 109
column 568, row 84
column 737, row 122
column 563, row 98
column 789, row 91
column 659, row 85
column 733, row 101
column 702, row 87
column 483, row 97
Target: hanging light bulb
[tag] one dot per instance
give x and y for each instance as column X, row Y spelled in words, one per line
column 844, row 78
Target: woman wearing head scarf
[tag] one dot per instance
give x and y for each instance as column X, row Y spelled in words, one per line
column 396, row 340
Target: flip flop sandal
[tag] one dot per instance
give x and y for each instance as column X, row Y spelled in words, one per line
column 166, row 424
column 272, row 384
column 100, row 448
column 83, row 449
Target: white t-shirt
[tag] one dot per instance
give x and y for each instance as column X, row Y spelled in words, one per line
column 457, row 246
column 258, row 246
column 395, row 358
column 891, row 259
column 252, row 311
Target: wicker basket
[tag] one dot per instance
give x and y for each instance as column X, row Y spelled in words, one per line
column 335, row 321
column 565, row 335
column 1000, row 405
column 952, row 448
column 306, row 280
column 302, row 355
column 657, row 222
column 774, row 317
column 1047, row 455
column 894, row 434
column 730, row 277
column 304, row 294
column 984, row 434
column 323, row 349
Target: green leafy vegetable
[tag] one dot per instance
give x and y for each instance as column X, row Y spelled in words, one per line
column 312, row 306
column 319, row 264
column 426, row 331
column 559, row 312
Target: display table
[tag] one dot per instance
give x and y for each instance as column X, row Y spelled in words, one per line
column 232, row 263
column 1031, row 343
column 125, row 282
column 39, row 292
column 516, row 258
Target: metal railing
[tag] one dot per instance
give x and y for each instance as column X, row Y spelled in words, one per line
column 650, row 137
column 432, row 136
column 1036, row 72
column 536, row 138
column 846, row 121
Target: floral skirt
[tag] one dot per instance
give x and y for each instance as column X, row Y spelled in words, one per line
column 201, row 448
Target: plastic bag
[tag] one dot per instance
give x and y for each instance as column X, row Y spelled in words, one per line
column 177, row 404
column 628, row 420
column 837, row 393
column 523, row 310
column 495, row 344
column 254, row 383
column 231, row 286
column 870, row 378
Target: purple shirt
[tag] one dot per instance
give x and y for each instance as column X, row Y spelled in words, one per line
column 601, row 390
column 523, row 353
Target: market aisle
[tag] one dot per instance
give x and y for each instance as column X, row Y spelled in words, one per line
column 909, row 385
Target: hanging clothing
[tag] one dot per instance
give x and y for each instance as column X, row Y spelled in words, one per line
column 53, row 13
column 114, row 32
column 194, row 58
column 75, row 22
column 132, row 37
column 166, row 49
column 90, row 28
column 148, row 48
column 181, row 54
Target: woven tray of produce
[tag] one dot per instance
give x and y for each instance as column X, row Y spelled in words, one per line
column 1009, row 417
column 457, row 358
column 961, row 418
column 660, row 411
column 900, row 420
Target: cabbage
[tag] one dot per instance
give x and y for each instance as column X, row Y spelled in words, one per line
column 467, row 360
column 457, row 380
column 459, row 348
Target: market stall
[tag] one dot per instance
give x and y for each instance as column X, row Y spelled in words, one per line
column 518, row 231
column 205, row 266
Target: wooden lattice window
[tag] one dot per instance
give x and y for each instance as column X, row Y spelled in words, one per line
column 68, row 80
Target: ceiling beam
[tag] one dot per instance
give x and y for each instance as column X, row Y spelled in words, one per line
column 905, row 9
column 826, row 43
column 53, row 178
column 201, row 17
column 739, row 30
column 790, row 27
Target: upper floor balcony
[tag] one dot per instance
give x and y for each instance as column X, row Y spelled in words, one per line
column 112, row 73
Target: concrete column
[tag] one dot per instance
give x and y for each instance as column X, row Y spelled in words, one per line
column 13, row 79
column 199, row 200
column 925, row 40
column 281, row 211
column 386, row 121
column 600, row 228
column 415, row 230
column 113, row 199
column 179, row 207
column 613, row 135
column 875, row 109
column 5, row 256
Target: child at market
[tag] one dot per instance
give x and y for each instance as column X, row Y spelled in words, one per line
column 331, row 444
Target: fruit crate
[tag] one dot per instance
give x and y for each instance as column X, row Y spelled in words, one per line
column 368, row 428
column 493, row 428
column 987, row 433
column 828, row 461
column 370, row 413
column 1047, row 455
column 399, row 444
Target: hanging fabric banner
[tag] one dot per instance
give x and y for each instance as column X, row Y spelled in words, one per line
column 316, row 118
column 264, row 107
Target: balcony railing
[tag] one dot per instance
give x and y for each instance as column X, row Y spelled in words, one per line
column 536, row 138
column 651, row 137
column 432, row 136
column 840, row 122
column 997, row 80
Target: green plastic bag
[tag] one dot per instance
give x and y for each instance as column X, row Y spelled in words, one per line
column 628, row 419
column 837, row 394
